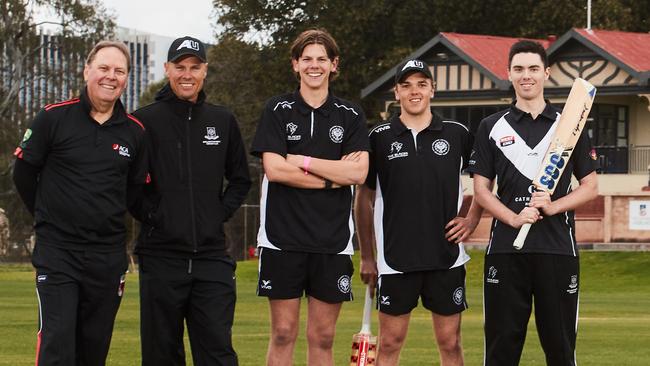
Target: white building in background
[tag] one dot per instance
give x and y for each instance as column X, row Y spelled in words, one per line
column 148, row 54
column 55, row 73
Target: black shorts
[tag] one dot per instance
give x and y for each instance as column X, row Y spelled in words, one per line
column 442, row 291
column 287, row 275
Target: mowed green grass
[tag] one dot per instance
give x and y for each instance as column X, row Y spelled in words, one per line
column 614, row 327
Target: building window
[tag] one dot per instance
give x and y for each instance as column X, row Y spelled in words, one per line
column 608, row 125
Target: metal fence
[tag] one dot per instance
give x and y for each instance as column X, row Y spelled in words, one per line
column 241, row 232
column 639, row 159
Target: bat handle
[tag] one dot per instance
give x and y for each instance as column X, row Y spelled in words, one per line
column 521, row 236
column 367, row 311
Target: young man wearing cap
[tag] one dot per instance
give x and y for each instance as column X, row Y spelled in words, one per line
column 186, row 274
column 510, row 147
column 313, row 147
column 74, row 168
column 412, row 197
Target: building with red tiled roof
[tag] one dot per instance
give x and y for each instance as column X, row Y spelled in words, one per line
column 472, row 82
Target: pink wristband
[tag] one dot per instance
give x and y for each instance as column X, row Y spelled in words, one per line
column 305, row 164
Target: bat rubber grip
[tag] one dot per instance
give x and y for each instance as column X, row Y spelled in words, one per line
column 521, row 237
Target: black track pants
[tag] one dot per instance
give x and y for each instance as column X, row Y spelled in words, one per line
column 512, row 284
column 79, row 293
column 200, row 292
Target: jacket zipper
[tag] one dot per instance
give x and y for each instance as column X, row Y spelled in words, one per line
column 189, row 178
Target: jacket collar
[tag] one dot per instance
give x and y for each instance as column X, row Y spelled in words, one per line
column 180, row 106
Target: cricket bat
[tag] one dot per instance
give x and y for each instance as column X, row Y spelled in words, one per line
column 364, row 344
column 572, row 122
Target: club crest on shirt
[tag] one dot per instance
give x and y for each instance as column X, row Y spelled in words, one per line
column 336, row 134
column 211, row 137
column 506, row 141
column 440, row 147
column 291, row 129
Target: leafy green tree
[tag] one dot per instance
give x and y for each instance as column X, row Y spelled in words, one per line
column 149, row 95
column 77, row 24
column 375, row 35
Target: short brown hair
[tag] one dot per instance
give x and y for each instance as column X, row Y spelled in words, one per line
column 316, row 36
column 105, row 44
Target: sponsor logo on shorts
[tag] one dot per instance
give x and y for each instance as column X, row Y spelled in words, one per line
column 458, row 296
column 266, row 285
column 573, row 284
column 440, row 147
column 344, row 284
column 336, row 134
column 492, row 275
column 211, row 137
column 385, row 300
column 41, row 278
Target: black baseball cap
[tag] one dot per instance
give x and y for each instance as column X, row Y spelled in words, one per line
column 410, row 66
column 185, row 46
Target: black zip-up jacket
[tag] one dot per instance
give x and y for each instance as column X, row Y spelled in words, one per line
column 194, row 146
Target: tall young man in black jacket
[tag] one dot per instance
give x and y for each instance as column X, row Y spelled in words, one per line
column 73, row 169
column 186, row 273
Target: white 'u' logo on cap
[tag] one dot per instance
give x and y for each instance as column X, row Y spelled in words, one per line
column 414, row 63
column 194, row 45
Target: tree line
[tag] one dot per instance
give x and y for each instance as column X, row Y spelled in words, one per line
column 249, row 61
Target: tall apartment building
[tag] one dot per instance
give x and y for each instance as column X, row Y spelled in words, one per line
column 55, row 73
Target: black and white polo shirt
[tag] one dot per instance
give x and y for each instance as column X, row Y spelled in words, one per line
column 308, row 220
column 416, row 177
column 510, row 147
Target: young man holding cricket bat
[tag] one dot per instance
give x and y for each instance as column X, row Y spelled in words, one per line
column 313, row 147
column 411, row 198
column 509, row 149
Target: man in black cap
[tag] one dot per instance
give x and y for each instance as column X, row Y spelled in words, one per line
column 186, row 273
column 414, row 191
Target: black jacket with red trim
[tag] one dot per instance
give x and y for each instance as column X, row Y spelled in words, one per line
column 194, row 147
column 74, row 174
